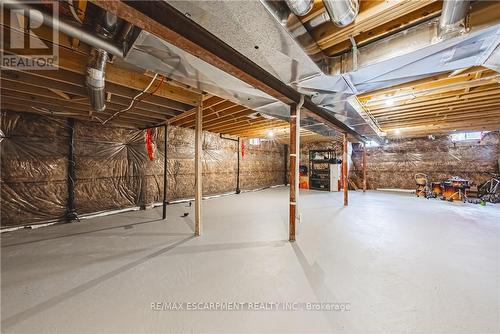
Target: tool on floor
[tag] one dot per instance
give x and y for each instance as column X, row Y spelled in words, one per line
column 187, row 213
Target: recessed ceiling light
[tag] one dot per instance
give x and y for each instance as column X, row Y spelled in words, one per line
column 389, row 102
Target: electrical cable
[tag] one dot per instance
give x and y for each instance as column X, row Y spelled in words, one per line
column 134, row 99
column 73, row 11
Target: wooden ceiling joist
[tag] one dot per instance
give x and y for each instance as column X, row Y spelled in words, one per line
column 444, row 102
column 77, row 62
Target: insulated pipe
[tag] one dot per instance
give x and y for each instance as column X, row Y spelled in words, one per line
column 453, row 16
column 342, row 12
column 300, row 7
column 67, row 27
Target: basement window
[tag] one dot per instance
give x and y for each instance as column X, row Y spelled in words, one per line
column 466, row 136
column 254, row 141
column 371, row 143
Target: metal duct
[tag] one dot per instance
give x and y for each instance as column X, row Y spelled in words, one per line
column 69, row 28
column 452, row 21
column 342, row 12
column 96, row 67
column 317, row 21
column 95, row 81
column 300, row 7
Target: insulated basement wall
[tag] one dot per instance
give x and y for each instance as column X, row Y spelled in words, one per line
column 113, row 170
column 34, row 167
column 262, row 165
column 395, row 164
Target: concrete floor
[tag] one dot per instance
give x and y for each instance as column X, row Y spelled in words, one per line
column 403, row 264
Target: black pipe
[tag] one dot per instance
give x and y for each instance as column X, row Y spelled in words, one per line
column 227, row 138
column 238, row 190
column 71, row 209
column 164, row 213
column 153, row 126
column 285, row 160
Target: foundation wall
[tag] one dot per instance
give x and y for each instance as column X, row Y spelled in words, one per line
column 395, row 164
column 113, row 170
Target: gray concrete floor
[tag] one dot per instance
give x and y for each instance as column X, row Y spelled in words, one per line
column 403, row 264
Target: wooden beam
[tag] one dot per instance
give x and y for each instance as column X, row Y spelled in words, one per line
column 76, row 62
column 492, row 113
column 328, row 35
column 198, row 168
column 212, row 101
column 294, row 160
column 67, row 111
column 164, row 21
column 75, row 86
column 388, row 28
column 212, row 115
column 60, row 93
column 31, row 99
column 344, row 170
column 444, row 128
column 60, row 112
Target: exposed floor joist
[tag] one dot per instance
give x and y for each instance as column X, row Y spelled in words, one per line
column 456, row 101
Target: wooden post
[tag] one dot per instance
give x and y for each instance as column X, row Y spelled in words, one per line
column 294, row 168
column 364, row 167
column 344, row 171
column 198, row 168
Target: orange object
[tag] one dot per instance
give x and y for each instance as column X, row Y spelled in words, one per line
column 304, row 182
column 149, row 144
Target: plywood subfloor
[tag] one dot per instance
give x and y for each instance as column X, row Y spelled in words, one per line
column 403, row 264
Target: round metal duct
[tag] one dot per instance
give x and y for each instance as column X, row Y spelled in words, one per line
column 342, row 12
column 300, row 7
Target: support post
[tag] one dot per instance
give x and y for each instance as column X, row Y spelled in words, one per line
column 71, row 213
column 294, row 166
column 198, row 168
column 165, row 147
column 344, row 170
column 285, row 176
column 364, row 167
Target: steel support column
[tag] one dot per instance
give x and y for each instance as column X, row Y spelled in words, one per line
column 71, row 211
column 345, row 170
column 198, row 168
column 364, row 167
column 294, row 167
column 165, row 147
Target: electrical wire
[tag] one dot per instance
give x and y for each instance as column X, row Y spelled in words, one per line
column 73, row 11
column 134, row 99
